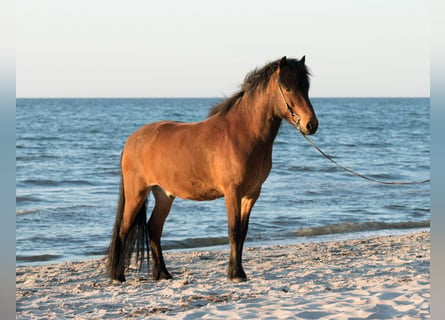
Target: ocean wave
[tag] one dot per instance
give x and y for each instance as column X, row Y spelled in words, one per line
column 25, row 211
column 347, row 227
column 296, row 168
column 37, row 258
column 194, row 243
column 56, row 183
column 43, row 182
column 21, row 199
column 34, row 157
column 64, row 210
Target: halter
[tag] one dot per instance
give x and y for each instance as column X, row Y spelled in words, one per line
column 296, row 124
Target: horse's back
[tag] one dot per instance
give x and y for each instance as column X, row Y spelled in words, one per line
column 175, row 156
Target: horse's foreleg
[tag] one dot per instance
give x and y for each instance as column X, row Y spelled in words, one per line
column 163, row 203
column 238, row 212
column 235, row 271
column 247, row 204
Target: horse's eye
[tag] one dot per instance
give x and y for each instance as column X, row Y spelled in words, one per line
column 287, row 89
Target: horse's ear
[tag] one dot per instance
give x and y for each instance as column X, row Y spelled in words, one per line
column 303, row 60
column 283, row 62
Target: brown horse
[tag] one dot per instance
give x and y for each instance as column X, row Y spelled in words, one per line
column 228, row 155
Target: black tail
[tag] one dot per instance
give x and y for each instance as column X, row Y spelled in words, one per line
column 119, row 252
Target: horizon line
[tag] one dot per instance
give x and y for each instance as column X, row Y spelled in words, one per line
column 224, row 97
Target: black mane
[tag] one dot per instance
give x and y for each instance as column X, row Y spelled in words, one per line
column 258, row 79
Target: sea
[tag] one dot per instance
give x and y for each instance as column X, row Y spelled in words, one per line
column 67, row 176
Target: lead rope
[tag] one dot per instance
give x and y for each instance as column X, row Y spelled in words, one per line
column 296, row 125
column 358, row 174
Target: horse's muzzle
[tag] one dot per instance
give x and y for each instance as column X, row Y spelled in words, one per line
column 310, row 128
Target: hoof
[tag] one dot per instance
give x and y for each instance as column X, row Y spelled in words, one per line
column 236, row 275
column 163, row 275
column 120, row 278
column 238, row 279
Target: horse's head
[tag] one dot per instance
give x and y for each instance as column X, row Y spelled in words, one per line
column 292, row 87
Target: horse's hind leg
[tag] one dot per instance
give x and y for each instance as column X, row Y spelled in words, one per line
column 135, row 192
column 155, row 225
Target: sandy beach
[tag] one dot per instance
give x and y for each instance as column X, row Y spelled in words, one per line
column 377, row 278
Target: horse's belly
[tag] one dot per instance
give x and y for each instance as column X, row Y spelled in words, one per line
column 192, row 190
column 201, row 195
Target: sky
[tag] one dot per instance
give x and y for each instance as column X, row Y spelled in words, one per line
column 197, row 48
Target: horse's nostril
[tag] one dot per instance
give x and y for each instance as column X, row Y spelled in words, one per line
column 311, row 127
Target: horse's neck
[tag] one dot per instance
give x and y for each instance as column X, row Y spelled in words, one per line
column 255, row 118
